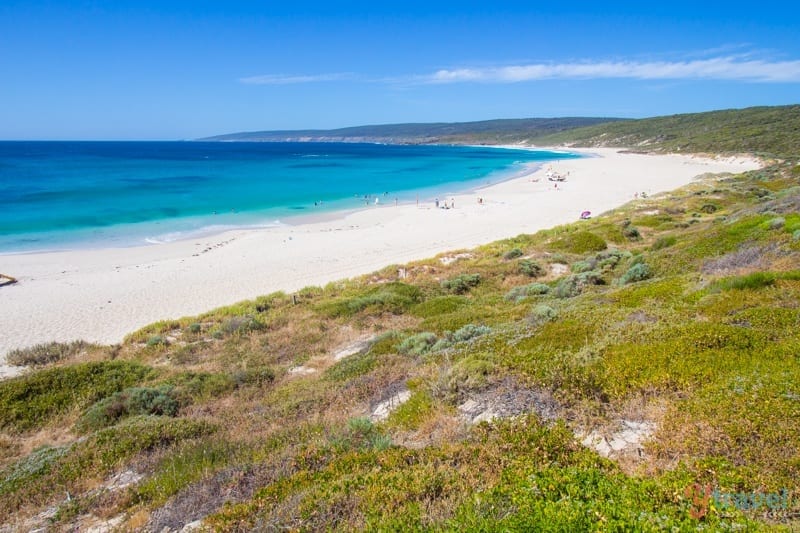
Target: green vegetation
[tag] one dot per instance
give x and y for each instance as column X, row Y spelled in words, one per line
column 272, row 413
column 33, row 400
column 760, row 130
column 44, row 354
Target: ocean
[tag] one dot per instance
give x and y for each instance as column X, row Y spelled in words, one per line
column 66, row 195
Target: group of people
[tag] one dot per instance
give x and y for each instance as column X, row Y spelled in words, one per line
column 444, row 204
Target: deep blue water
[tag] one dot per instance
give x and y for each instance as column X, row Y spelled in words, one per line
column 57, row 195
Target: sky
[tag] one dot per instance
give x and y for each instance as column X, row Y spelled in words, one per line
column 139, row 70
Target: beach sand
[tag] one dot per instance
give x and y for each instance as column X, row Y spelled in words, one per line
column 100, row 295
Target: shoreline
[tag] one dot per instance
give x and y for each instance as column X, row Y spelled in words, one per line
column 100, row 295
column 209, row 225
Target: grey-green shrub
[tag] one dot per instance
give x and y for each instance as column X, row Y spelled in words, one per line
column 43, row 354
column 631, row 233
column 796, row 235
column 665, row 241
column 777, row 223
column 417, row 344
column 156, row 340
column 513, row 254
column 461, row 283
column 517, row 294
column 470, row 331
column 584, row 266
column 567, row 288
column 530, row 268
column 129, row 402
column 541, row 314
column 637, row 272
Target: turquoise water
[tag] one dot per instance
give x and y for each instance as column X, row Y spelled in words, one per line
column 61, row 195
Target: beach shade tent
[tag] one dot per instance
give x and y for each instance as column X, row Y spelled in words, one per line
column 585, row 215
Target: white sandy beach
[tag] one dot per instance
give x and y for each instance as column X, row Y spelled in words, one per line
column 101, row 295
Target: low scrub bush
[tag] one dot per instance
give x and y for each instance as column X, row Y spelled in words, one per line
column 517, row 294
column 631, row 233
column 31, row 401
column 532, row 269
column 541, row 314
column 439, row 306
column 470, row 331
column 584, row 266
column 395, row 297
column 129, row 402
column 573, row 285
column 360, row 434
column 581, row 242
column 665, row 241
column 461, row 283
column 44, row 354
column 638, row 272
column 756, row 280
column 776, row 223
column 418, row 344
column 191, row 386
column 513, row 254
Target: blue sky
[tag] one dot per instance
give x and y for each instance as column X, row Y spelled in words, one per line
column 177, row 70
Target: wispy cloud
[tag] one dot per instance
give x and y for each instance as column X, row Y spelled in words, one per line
column 732, row 67
column 719, row 68
column 284, row 79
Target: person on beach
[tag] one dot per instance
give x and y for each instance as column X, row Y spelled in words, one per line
column 437, row 203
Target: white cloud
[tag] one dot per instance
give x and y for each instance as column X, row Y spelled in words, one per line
column 283, row 79
column 720, row 68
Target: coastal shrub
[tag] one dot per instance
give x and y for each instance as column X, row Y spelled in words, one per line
column 530, row 268
column 418, row 344
column 129, row 402
column 581, row 242
column 190, row 386
column 709, row 208
column 360, row 434
column 584, row 266
column 395, row 297
column 38, row 463
column 517, row 294
column 194, row 327
column 470, row 331
column 638, row 272
column 44, row 354
column 239, row 325
column 631, row 233
column 796, row 235
column 410, row 414
column 350, row 367
column 461, row 283
column 439, row 305
column 776, row 223
column 609, row 259
column 513, row 254
column 253, row 376
column 665, row 241
column 156, row 340
column 754, row 281
column 567, row 288
column 541, row 314
column 32, row 400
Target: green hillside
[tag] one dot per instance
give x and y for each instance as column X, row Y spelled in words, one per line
column 761, row 130
column 487, row 131
column 638, row 371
